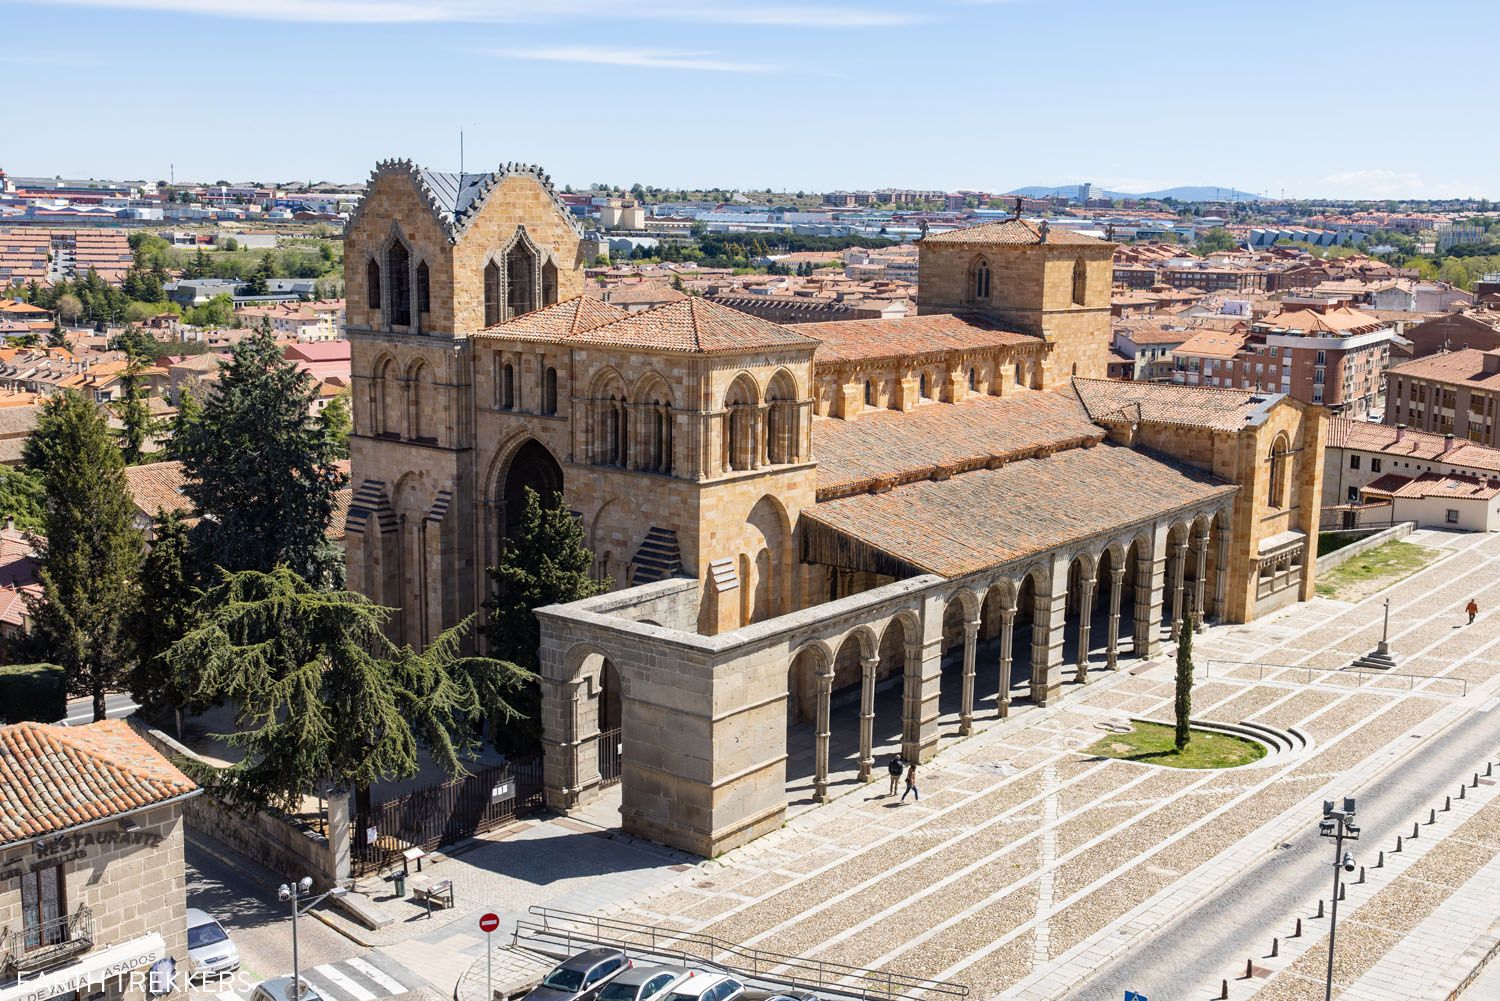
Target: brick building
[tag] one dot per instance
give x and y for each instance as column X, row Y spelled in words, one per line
column 790, row 510
column 92, row 895
column 1457, row 392
column 1474, row 328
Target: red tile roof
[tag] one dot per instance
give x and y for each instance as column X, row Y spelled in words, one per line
column 1012, row 232
column 1465, row 366
column 859, row 340
column 563, row 319
column 1420, row 445
column 692, row 325
column 56, row 777
column 1189, row 406
column 1453, row 487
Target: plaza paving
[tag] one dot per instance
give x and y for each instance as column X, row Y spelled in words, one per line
column 1027, row 865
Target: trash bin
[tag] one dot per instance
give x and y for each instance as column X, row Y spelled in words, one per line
column 400, row 879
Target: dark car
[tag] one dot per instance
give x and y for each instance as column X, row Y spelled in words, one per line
column 580, row 977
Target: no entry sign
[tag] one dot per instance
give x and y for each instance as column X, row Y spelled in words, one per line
column 489, row 923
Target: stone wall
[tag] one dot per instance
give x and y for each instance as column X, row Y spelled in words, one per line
column 1371, row 539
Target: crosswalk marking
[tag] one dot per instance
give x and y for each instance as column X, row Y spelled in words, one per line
column 378, row 975
column 345, row 983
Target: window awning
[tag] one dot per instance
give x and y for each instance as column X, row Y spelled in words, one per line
column 101, row 966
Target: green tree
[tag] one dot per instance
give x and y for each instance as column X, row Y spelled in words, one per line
column 216, row 312
column 23, row 498
column 261, row 469
column 166, row 614
column 338, row 423
column 198, row 266
column 322, row 697
column 1216, row 239
column 134, row 414
column 70, row 307
column 91, row 554
column 57, row 337
column 260, row 278
column 1183, row 705
column 544, row 563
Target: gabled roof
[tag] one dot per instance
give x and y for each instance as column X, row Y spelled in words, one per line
column 693, row 325
column 1013, row 232
column 455, row 199
column 1188, row 406
column 563, row 319
column 56, row 777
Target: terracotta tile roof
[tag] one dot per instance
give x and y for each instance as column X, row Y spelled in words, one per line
column 157, row 486
column 1149, row 333
column 1188, row 406
column 56, row 777
column 1464, row 366
column 563, row 319
column 891, row 446
column 1449, row 486
column 1211, row 343
column 1420, row 445
column 859, row 340
column 981, row 519
column 693, row 325
column 1342, row 320
column 639, row 292
column 1012, row 232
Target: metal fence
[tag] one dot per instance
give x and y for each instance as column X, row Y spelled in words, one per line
column 444, row 813
column 610, row 749
column 1338, row 677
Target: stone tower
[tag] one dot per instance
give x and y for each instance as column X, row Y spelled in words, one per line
column 1050, row 283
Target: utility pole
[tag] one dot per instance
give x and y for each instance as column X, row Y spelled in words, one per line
column 1338, row 825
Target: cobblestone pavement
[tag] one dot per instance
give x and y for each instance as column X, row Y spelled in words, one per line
column 1028, row 868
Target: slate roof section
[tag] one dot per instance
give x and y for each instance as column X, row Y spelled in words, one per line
column 882, row 448
column 692, row 325
column 1013, row 233
column 989, row 517
column 455, row 199
column 1187, row 406
column 912, row 336
column 56, row 777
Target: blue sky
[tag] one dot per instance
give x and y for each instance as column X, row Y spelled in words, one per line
column 1315, row 97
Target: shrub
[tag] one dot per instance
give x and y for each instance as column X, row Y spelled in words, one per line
column 32, row 692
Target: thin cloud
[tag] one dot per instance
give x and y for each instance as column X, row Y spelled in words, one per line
column 512, row 11
column 637, row 58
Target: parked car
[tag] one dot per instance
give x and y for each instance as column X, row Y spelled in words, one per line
column 580, row 977
column 787, row 995
column 643, row 983
column 708, row 987
column 209, row 946
column 280, row 989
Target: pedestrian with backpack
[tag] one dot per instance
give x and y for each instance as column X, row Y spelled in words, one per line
column 896, row 767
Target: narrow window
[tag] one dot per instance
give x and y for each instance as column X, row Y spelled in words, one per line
column 981, row 286
column 549, row 391
column 372, row 285
column 507, row 386
column 491, row 294
column 922, row 389
column 1080, row 282
column 43, row 908
column 1354, row 462
column 973, row 380
column 424, row 290
column 869, row 392
column 520, row 268
column 398, row 273
column 549, row 284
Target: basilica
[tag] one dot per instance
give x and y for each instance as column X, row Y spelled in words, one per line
column 827, row 541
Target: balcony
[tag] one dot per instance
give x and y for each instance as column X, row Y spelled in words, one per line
column 39, row 946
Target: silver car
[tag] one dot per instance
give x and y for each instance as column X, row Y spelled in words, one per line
column 643, row 983
column 209, row 947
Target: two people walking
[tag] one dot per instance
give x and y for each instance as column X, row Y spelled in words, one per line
column 895, row 769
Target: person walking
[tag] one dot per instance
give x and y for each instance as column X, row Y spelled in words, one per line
column 911, row 783
column 896, row 767
column 1473, row 609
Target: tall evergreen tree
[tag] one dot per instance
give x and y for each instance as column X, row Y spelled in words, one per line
column 261, row 469
column 134, row 414
column 546, row 562
column 1183, row 704
column 338, row 423
column 91, row 554
column 166, row 613
column 323, row 697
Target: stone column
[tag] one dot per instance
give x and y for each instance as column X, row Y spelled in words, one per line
column 1150, row 593
column 1047, row 632
column 1007, row 635
column 1085, row 621
column 1178, row 567
column 1200, row 569
column 1221, row 575
column 966, row 706
column 1116, row 586
column 867, row 718
column 758, row 457
column 820, row 766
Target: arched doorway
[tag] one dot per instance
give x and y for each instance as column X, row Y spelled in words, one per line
column 610, row 706
column 532, row 466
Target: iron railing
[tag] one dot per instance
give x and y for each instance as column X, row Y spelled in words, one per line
column 610, row 750
column 573, row 930
column 37, row 945
column 1333, row 677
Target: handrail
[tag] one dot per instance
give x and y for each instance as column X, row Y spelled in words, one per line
column 1356, row 672
column 794, row 971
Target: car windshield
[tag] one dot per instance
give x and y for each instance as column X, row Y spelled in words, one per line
column 205, row 934
column 564, row 979
column 617, row 991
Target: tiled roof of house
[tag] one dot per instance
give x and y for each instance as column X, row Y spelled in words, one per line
column 858, row 340
column 157, row 486
column 1211, row 343
column 1464, row 366
column 1424, row 446
column 888, row 446
column 56, row 777
column 1189, row 406
column 643, row 292
column 987, row 517
column 1342, row 320
column 1139, row 332
column 1451, row 486
column 1012, row 232
column 694, row 325
column 563, row 319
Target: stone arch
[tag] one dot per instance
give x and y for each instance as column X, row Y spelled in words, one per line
column 771, row 560
column 653, row 408
column 373, row 291
column 411, row 499
column 1278, row 460
column 1137, row 594
column 742, row 408
column 979, row 279
column 895, row 644
column 396, row 269
column 523, row 277
column 806, row 664
column 423, row 407
column 1080, row 282
column 962, row 606
column 423, row 290
column 494, row 285
column 610, row 424
column 782, row 439
column 549, row 282
column 388, row 407
column 529, row 465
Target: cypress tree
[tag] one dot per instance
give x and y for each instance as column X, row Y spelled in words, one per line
column 166, row 612
column 91, row 554
column 136, row 425
column 1184, row 700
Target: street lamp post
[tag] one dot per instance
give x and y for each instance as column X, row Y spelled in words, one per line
column 1338, row 825
column 294, row 893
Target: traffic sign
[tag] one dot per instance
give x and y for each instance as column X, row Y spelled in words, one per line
column 489, row 922
column 1133, row 996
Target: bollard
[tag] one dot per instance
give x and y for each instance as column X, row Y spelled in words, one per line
column 1380, row 859
column 1275, row 947
column 1249, row 969
column 1447, row 803
column 1398, row 842
column 1342, row 887
column 1432, row 816
column 1489, row 769
column 1320, row 908
column 1462, row 791
column 1298, row 932
column 1361, row 874
column 1224, row 990
column 1415, row 830
column 1475, row 783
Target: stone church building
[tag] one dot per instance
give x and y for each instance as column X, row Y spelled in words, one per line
column 827, row 541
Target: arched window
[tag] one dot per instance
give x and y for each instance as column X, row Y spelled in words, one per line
column 740, row 438
column 520, row 273
column 549, row 391
column 973, row 380
column 491, row 294
column 980, row 286
column 424, row 290
column 1080, row 282
column 923, row 392
column 781, row 430
column 869, row 392
column 507, row 386
column 549, row 283
column 372, row 286
column 398, row 275
column 1278, row 462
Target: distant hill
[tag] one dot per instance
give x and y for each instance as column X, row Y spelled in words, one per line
column 1183, row 193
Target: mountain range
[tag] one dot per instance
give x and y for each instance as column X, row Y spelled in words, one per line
column 1183, row 193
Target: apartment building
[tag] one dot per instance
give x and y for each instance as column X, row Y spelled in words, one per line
column 1457, row 392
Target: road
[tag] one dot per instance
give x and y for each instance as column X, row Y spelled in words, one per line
column 1211, row 940
column 242, row 898
column 117, row 705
